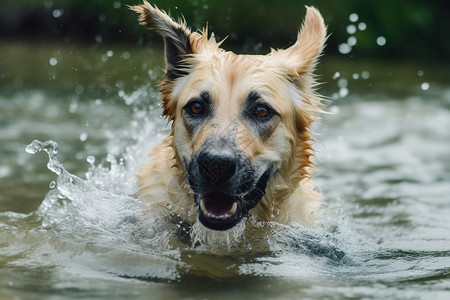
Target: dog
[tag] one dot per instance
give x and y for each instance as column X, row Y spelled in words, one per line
column 240, row 145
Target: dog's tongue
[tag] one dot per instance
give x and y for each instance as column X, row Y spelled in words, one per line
column 218, row 204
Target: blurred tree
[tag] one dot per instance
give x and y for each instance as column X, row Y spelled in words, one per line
column 410, row 28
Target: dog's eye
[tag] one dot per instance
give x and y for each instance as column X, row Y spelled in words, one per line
column 262, row 111
column 196, row 108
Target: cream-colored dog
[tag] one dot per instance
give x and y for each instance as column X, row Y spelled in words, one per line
column 240, row 143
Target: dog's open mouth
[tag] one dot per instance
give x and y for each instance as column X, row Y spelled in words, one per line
column 219, row 211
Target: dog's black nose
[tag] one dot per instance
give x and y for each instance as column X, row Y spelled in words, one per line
column 216, row 168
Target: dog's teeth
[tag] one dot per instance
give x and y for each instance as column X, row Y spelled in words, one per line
column 233, row 209
column 208, row 214
column 202, row 206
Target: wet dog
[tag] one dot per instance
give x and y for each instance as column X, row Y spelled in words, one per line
column 240, row 142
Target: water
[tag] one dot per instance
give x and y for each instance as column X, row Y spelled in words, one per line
column 69, row 221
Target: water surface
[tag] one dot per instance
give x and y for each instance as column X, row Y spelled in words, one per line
column 68, row 215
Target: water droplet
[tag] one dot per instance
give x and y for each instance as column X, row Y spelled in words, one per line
column 362, row 26
column 343, row 92
column 111, row 158
column 53, row 61
column 420, row 73
column 57, row 13
column 52, row 184
column 99, row 38
column 48, row 3
column 344, row 48
column 365, row 74
column 73, row 107
column 90, row 159
column 257, row 46
column 381, row 41
column 126, row 55
column 425, row 86
column 355, row 76
column 352, row 41
column 109, row 53
column 33, row 148
column 49, row 146
column 351, row 29
column 152, row 74
column 4, row 171
column 334, row 109
column 79, row 89
column 83, row 136
column 336, row 75
column 353, row 17
column 117, row 4
column 342, row 83
column 102, row 18
column 169, row 206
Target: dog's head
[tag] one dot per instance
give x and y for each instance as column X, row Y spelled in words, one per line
column 240, row 122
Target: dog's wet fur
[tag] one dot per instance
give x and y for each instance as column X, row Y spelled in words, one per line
column 240, row 139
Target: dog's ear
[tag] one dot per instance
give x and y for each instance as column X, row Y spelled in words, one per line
column 302, row 57
column 176, row 36
column 298, row 63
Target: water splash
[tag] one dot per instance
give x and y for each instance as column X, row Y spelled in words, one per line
column 101, row 212
column 91, row 203
column 346, row 48
column 103, row 205
column 217, row 240
column 85, row 203
column 52, row 150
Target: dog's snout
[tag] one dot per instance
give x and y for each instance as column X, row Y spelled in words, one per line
column 216, row 168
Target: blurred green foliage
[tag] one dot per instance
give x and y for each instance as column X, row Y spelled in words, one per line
column 411, row 28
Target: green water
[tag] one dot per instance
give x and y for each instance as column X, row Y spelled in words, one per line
column 383, row 166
